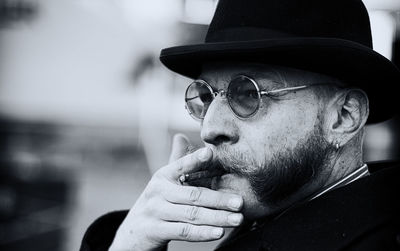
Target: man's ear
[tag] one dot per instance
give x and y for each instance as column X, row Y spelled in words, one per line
column 348, row 113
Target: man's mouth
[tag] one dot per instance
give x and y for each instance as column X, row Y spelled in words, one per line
column 204, row 178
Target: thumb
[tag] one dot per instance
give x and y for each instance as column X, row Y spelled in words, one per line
column 180, row 147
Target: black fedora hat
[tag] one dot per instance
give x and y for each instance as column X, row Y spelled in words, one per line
column 332, row 37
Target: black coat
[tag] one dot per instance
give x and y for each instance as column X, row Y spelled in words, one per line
column 364, row 215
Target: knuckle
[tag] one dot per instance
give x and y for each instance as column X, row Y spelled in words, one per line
column 153, row 184
column 195, row 194
column 186, row 231
column 159, row 175
column 151, row 190
column 192, row 213
column 147, row 193
column 156, row 187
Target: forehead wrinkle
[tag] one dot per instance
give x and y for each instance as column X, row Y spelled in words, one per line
column 265, row 77
column 269, row 79
column 287, row 77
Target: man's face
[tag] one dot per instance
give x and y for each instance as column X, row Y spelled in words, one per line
column 274, row 154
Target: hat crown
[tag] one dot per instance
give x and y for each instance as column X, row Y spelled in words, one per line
column 244, row 20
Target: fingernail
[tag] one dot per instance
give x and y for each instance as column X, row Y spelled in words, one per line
column 235, row 203
column 204, row 154
column 217, row 232
column 235, row 219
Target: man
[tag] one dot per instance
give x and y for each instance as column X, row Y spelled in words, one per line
column 283, row 90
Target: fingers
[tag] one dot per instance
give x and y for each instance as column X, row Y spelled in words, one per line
column 190, row 232
column 204, row 197
column 190, row 163
column 200, row 216
column 180, row 147
column 167, row 210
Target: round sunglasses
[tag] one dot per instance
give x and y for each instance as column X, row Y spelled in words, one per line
column 243, row 95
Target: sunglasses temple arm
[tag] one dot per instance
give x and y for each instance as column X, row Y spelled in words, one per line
column 284, row 89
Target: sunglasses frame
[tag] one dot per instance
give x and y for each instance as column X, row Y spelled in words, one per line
column 223, row 92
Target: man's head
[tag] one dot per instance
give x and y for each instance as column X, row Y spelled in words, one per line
column 331, row 37
column 298, row 142
column 286, row 150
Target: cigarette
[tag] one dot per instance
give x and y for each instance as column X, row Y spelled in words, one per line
column 200, row 175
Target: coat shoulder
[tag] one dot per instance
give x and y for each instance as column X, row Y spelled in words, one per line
column 101, row 232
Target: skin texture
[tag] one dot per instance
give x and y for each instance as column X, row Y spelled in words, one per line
column 278, row 157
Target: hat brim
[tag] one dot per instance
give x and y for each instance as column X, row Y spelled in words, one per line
column 350, row 62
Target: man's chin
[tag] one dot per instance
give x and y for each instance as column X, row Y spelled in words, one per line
column 224, row 182
column 235, row 184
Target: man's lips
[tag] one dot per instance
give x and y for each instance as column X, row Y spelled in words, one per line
column 213, row 170
column 206, row 174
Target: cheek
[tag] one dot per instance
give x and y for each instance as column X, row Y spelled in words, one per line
column 280, row 128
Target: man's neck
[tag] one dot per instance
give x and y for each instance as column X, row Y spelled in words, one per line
column 342, row 163
column 353, row 176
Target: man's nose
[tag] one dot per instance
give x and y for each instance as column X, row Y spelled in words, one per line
column 218, row 126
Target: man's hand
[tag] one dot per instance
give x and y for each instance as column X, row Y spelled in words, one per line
column 167, row 210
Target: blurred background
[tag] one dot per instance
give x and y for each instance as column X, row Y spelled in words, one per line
column 87, row 112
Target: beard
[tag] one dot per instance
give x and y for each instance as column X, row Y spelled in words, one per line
column 284, row 173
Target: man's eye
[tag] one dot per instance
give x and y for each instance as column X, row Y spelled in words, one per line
column 206, row 97
column 249, row 94
column 253, row 94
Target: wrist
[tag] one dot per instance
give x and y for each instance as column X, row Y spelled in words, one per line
column 116, row 247
column 124, row 242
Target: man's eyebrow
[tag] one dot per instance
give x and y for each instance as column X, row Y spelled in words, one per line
column 266, row 80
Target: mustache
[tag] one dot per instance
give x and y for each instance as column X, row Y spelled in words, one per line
column 225, row 161
column 231, row 160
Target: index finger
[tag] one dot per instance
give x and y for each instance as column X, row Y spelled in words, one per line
column 180, row 147
column 190, row 163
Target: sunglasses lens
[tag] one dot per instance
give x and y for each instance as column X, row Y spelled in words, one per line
column 198, row 98
column 243, row 96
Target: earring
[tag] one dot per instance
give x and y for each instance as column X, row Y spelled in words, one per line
column 337, row 146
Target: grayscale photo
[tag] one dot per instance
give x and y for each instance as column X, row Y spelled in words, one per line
column 227, row 125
